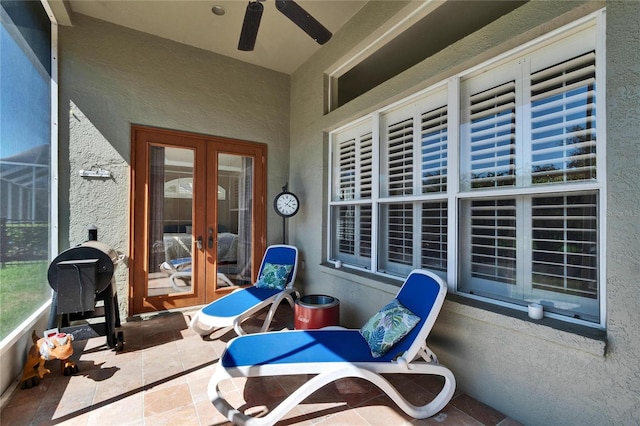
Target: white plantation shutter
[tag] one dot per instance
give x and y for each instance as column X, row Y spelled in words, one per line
column 347, row 169
column 355, row 167
column 353, row 226
column 400, row 158
column 563, row 121
column 346, row 230
column 492, row 136
column 400, row 233
column 362, row 236
column 433, row 238
column 565, row 244
column 493, row 240
column 365, row 176
column 366, row 223
column 434, row 150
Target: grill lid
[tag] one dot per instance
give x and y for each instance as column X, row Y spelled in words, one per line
column 106, row 261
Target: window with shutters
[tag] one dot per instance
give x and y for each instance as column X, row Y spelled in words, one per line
column 351, row 213
column 517, row 215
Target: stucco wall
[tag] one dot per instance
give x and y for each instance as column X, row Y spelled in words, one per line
column 531, row 372
column 112, row 77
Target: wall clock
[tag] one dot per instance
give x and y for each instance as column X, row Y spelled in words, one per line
column 286, row 203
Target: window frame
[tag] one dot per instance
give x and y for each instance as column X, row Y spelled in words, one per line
column 14, row 336
column 455, row 194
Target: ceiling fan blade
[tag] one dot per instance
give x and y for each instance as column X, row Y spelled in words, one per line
column 250, row 26
column 306, row 22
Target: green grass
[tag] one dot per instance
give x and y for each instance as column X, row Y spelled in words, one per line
column 23, row 289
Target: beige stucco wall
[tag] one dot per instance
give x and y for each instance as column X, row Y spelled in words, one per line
column 112, row 77
column 533, row 373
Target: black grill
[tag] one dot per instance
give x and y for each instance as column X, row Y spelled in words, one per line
column 83, row 289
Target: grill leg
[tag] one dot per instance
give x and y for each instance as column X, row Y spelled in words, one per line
column 111, row 315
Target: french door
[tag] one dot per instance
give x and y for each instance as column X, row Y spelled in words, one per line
column 198, row 217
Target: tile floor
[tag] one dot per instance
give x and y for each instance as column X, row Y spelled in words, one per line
column 160, row 378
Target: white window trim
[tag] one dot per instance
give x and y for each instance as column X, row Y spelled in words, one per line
column 453, row 195
column 54, row 131
column 601, row 156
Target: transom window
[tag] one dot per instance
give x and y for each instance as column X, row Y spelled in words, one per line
column 490, row 179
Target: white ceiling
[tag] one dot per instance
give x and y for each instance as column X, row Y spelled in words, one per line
column 280, row 45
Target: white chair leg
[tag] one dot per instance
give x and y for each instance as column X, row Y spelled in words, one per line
column 418, row 412
column 195, row 326
column 272, row 310
column 175, row 285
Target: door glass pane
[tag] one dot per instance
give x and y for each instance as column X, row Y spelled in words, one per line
column 170, row 220
column 235, row 220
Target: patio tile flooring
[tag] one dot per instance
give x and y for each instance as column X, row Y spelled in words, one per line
column 161, row 376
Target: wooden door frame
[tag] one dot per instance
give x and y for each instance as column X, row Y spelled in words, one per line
column 138, row 202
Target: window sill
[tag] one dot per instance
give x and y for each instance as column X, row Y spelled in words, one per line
column 364, row 278
column 578, row 337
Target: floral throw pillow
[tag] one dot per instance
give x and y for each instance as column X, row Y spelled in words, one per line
column 274, row 276
column 387, row 327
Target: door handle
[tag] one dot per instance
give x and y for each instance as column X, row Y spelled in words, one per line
column 199, row 242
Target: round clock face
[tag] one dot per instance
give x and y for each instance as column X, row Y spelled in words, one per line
column 286, row 204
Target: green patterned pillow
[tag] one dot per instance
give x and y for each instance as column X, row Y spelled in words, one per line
column 387, row 327
column 274, row 276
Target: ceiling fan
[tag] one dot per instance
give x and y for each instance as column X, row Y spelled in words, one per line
column 288, row 8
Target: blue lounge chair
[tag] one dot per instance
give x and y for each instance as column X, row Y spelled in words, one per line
column 333, row 353
column 275, row 283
